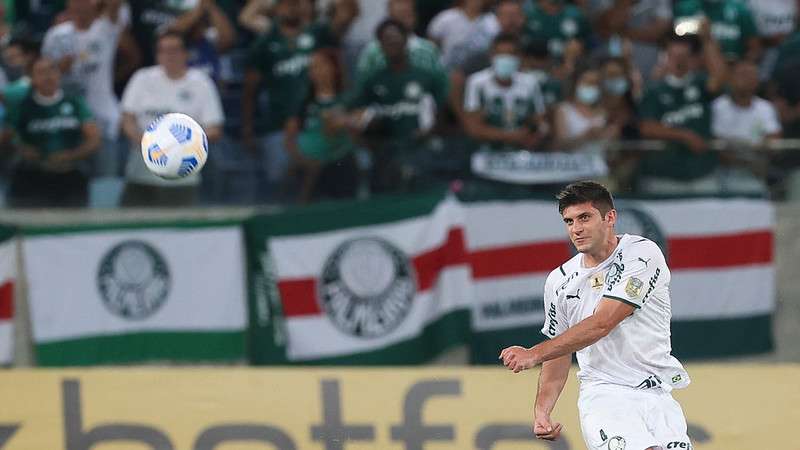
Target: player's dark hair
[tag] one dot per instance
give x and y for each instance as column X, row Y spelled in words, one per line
column 506, row 38
column 390, row 23
column 585, row 192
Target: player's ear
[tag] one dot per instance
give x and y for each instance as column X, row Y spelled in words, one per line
column 611, row 217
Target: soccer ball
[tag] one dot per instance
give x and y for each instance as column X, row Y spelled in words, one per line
column 174, row 146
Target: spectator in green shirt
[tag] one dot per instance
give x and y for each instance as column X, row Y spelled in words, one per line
column 54, row 133
column 422, row 53
column 279, row 60
column 732, row 25
column 558, row 22
column 397, row 107
column 318, row 140
column 677, row 109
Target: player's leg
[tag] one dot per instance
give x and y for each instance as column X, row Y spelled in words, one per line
column 614, row 419
column 668, row 423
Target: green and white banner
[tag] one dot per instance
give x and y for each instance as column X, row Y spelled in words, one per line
column 119, row 294
column 392, row 281
column 385, row 282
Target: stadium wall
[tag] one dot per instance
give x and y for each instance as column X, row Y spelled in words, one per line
column 398, row 408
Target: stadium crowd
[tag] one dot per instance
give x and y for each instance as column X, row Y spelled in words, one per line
column 306, row 100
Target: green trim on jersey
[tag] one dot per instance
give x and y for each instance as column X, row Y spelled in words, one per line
column 620, row 299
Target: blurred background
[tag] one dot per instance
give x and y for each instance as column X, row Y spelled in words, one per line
column 376, row 217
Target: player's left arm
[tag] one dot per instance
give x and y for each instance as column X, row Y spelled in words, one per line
column 608, row 314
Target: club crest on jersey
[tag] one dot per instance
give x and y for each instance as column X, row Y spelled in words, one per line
column 634, row 287
column 367, row 287
column 616, row 443
column 598, row 280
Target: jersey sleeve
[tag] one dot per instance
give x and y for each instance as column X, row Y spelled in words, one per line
column 634, row 273
column 212, row 114
column 472, row 97
column 555, row 321
column 131, row 95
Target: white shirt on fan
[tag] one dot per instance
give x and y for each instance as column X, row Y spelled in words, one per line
column 749, row 124
column 92, row 73
column 637, row 351
column 149, row 94
column 451, row 28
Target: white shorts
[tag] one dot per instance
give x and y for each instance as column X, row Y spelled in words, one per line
column 623, row 418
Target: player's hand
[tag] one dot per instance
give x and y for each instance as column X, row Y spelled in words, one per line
column 518, row 358
column 544, row 428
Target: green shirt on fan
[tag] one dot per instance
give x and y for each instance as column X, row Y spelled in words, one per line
column 399, row 100
column 683, row 104
column 51, row 128
column 283, row 65
column 313, row 141
column 557, row 29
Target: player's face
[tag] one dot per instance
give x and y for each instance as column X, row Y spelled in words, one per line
column 586, row 226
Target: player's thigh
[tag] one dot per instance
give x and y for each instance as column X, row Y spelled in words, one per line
column 614, row 421
column 669, row 424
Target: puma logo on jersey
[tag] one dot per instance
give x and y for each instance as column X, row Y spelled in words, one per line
column 650, row 382
column 577, row 295
column 645, row 261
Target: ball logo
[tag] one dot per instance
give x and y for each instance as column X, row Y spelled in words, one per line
column 156, row 155
column 367, row 287
column 133, row 280
column 181, row 133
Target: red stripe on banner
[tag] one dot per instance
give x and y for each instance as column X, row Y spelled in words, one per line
column 519, row 259
column 430, row 264
column 708, row 252
column 7, row 300
column 299, row 296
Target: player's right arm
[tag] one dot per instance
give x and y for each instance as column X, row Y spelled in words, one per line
column 554, row 373
column 552, row 379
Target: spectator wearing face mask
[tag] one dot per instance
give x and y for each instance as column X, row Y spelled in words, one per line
column 581, row 121
column 503, row 107
column 620, row 93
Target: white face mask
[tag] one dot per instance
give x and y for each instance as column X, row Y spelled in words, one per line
column 587, row 94
column 504, row 66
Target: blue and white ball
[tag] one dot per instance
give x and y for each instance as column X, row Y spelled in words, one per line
column 174, row 146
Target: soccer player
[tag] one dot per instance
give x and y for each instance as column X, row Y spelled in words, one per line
column 610, row 304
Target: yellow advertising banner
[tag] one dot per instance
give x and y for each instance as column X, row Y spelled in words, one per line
column 727, row 406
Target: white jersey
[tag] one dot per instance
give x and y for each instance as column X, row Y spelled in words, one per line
column 150, row 93
column 91, row 75
column 508, row 107
column 637, row 352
